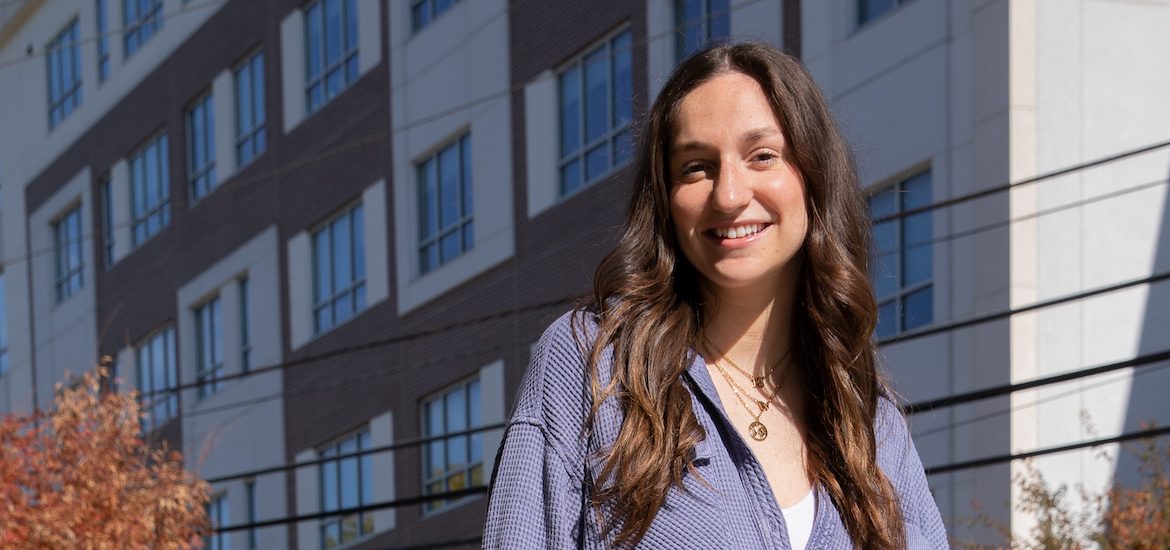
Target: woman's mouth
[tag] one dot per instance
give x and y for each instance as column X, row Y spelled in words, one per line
column 739, row 231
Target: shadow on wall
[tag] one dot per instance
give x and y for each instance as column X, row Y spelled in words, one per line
column 1147, row 398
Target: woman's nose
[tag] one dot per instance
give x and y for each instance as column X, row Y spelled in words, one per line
column 730, row 191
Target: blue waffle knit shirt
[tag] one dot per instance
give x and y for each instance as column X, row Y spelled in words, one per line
column 540, row 491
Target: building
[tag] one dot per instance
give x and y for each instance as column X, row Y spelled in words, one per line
column 309, row 229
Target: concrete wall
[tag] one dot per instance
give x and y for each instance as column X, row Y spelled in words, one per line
column 1086, row 91
column 924, row 86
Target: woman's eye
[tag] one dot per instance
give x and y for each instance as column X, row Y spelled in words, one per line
column 766, row 156
column 693, row 170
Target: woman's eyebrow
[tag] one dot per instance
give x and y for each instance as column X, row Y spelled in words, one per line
column 757, row 134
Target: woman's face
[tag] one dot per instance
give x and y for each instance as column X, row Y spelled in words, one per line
column 738, row 203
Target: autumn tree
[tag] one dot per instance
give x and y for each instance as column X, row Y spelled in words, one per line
column 1117, row 517
column 81, row 476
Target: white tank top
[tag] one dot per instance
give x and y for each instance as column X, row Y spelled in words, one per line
column 799, row 519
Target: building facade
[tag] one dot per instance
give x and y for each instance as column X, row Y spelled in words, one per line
column 309, row 229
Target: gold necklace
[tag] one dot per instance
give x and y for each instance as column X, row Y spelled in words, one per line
column 756, row 429
column 757, row 381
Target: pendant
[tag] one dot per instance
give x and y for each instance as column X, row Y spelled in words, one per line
column 759, row 381
column 758, row 431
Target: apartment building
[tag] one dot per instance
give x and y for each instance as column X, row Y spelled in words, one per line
column 948, row 101
column 308, row 229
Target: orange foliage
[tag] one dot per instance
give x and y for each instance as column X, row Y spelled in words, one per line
column 82, row 477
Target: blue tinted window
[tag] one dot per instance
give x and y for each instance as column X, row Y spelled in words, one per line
column 338, row 270
column 250, row 133
column 698, row 22
column 902, row 264
column 596, row 107
column 331, row 49
column 445, row 215
column 64, row 69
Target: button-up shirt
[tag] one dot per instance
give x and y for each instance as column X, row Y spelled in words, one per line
column 541, row 484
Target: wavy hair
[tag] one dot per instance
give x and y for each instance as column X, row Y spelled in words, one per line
column 647, row 299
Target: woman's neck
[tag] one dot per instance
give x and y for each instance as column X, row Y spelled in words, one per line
column 753, row 331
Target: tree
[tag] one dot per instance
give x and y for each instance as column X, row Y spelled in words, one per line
column 1118, row 517
column 81, row 476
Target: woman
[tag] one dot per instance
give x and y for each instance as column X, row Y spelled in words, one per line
column 722, row 389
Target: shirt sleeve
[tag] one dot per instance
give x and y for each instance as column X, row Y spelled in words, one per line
column 900, row 461
column 534, row 502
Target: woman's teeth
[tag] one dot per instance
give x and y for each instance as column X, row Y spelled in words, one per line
column 739, row 231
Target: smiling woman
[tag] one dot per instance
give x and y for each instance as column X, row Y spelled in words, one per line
column 722, row 389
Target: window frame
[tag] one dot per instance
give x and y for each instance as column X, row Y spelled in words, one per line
column 199, row 118
column 219, row 515
column 463, row 226
column 145, row 24
column 356, row 289
column 347, row 57
column 704, row 22
column 160, row 212
column 864, row 18
column 69, row 279
column 243, row 290
column 64, row 96
column 102, row 22
column 891, row 261
column 208, row 370
column 327, row 454
column 168, row 392
column 106, row 188
column 3, row 324
column 255, row 135
column 610, row 136
column 431, row 12
column 472, row 420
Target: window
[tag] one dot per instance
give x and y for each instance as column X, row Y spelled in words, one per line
column 103, row 41
column 208, row 348
column 346, row 483
column 903, row 267
column 339, row 272
column 140, row 20
column 331, row 28
column 67, row 253
column 3, row 326
column 454, row 463
column 201, row 148
column 158, row 378
column 699, row 21
column 596, row 108
column 444, row 205
column 218, row 513
column 868, row 10
column 250, row 488
column 64, row 66
column 107, row 220
column 245, row 332
column 250, row 138
column 423, row 12
column 150, row 190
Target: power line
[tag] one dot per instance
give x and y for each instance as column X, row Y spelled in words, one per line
column 1039, row 401
column 398, row 503
column 1034, row 179
column 981, row 319
column 43, row 52
column 1021, row 218
column 1005, row 389
column 411, row 443
column 1000, row 459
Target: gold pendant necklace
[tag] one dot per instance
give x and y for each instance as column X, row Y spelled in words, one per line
column 757, row 430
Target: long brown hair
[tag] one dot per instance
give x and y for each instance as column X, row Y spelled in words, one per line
column 647, row 297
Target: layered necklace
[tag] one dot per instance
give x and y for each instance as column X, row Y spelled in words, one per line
column 756, row 429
